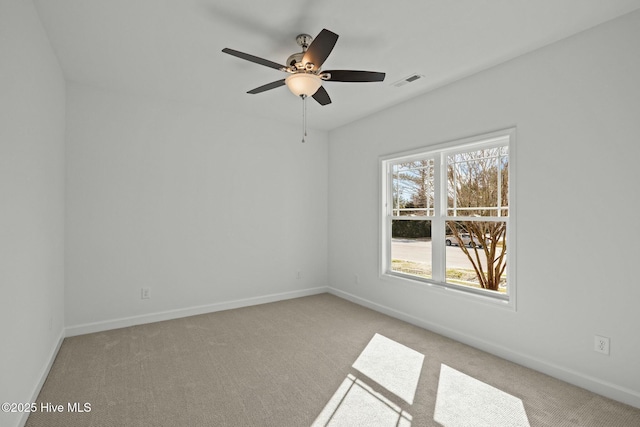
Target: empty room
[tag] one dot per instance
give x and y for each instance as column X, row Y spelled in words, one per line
column 299, row 213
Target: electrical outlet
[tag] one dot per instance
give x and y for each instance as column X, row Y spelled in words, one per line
column 145, row 293
column 357, row 279
column 299, row 275
column 601, row 344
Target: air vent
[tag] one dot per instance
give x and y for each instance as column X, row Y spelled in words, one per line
column 408, row 79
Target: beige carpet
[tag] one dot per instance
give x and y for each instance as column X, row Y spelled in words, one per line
column 317, row 360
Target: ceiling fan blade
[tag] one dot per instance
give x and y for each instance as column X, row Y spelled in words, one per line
column 320, row 48
column 353, row 76
column 253, row 58
column 322, row 96
column 267, row 87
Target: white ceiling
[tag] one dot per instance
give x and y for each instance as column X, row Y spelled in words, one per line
column 172, row 48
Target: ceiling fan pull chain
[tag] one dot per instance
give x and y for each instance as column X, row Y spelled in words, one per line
column 304, row 117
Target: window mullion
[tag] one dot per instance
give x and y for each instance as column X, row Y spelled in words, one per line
column 437, row 227
column 389, row 211
column 499, row 181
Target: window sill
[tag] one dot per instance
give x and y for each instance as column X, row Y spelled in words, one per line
column 459, row 292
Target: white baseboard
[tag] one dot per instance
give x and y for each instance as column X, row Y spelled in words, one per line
column 604, row 388
column 124, row 322
column 43, row 377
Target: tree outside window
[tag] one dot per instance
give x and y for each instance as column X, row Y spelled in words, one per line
column 477, row 189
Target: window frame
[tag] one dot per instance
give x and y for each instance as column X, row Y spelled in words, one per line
column 439, row 152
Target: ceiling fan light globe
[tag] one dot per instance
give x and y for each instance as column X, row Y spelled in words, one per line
column 303, row 84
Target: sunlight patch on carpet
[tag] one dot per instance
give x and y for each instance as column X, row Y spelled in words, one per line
column 392, row 365
column 390, row 373
column 465, row 401
column 357, row 404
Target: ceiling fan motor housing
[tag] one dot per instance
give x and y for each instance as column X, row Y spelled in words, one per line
column 294, row 60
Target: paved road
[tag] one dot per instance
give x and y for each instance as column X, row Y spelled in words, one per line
column 420, row 250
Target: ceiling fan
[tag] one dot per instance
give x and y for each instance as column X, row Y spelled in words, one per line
column 305, row 75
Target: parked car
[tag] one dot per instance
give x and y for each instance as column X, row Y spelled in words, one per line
column 466, row 240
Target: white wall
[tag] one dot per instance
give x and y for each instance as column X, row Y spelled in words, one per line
column 32, row 126
column 204, row 207
column 576, row 105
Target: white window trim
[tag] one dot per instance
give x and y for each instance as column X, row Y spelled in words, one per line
column 439, row 151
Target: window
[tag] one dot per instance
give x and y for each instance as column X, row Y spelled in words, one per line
column 448, row 215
